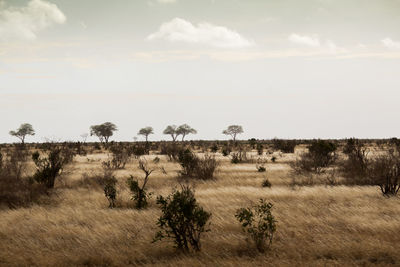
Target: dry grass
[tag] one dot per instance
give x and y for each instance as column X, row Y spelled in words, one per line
column 317, row 226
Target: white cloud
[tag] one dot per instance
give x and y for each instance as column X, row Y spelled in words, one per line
column 389, row 43
column 25, row 22
column 180, row 30
column 304, row 40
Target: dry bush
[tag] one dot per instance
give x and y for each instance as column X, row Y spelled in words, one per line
column 15, row 190
column 321, row 154
column 139, row 192
column 286, row 146
column 384, row 171
column 196, row 167
column 355, row 168
column 120, row 155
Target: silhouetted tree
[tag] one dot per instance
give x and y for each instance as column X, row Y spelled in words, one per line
column 172, row 130
column 184, row 130
column 23, row 130
column 103, row 131
column 233, row 130
column 146, row 132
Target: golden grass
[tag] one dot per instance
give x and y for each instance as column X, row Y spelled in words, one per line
column 317, row 226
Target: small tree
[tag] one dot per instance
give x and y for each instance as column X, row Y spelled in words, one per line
column 103, row 131
column 384, row 171
column 84, row 137
column 182, row 219
column 146, row 132
column 140, row 195
column 233, row 131
column 172, row 130
column 184, row 130
column 24, row 130
column 259, row 222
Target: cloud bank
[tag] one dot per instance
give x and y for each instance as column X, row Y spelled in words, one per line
column 180, row 30
column 26, row 22
column 389, row 43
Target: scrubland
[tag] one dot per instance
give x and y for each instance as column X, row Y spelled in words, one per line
column 317, row 225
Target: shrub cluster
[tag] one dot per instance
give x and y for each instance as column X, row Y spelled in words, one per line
column 196, row 167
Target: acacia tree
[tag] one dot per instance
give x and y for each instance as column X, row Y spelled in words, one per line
column 146, row 132
column 184, row 130
column 23, row 130
column 172, row 130
column 233, row 130
column 103, row 131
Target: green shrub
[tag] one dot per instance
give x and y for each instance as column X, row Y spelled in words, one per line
column 51, row 165
column 266, row 183
column 259, row 222
column 286, row 146
column 182, row 219
column 139, row 193
column 196, row 167
column 321, row 154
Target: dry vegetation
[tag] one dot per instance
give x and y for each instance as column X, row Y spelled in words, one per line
column 317, row 225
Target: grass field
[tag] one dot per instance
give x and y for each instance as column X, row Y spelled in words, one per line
column 317, row 225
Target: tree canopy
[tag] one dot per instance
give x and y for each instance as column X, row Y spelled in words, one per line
column 24, row 130
column 146, row 132
column 103, row 131
column 233, row 130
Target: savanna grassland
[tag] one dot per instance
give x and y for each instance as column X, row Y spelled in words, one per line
column 318, row 224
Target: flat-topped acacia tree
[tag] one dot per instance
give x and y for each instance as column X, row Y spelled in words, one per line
column 103, row 131
column 23, row 130
column 233, row 130
column 146, row 132
column 184, row 130
column 172, row 130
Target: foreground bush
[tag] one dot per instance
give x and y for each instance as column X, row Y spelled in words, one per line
column 196, row 167
column 183, row 220
column 259, row 222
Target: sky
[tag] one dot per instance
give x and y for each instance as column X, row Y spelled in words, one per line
column 279, row 68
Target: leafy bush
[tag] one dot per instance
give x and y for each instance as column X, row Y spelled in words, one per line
column 196, row 167
column 384, row 171
column 355, row 167
column 50, row 166
column 266, row 183
column 226, row 151
column 260, row 149
column 120, row 155
column 259, row 222
column 17, row 191
column 140, row 194
column 286, row 146
column 110, row 190
column 321, row 154
column 273, row 159
column 182, row 219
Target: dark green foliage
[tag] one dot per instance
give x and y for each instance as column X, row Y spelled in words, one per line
column 384, row 171
column 139, row 193
column 226, row 151
column 266, row 183
column 120, row 155
column 51, row 165
column 321, row 154
column 273, row 159
column 182, row 219
column 214, row 148
column 261, row 169
column 286, row 146
column 259, row 222
column 196, row 167
column 260, row 149
column 355, row 167
column 110, row 190
column 15, row 190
